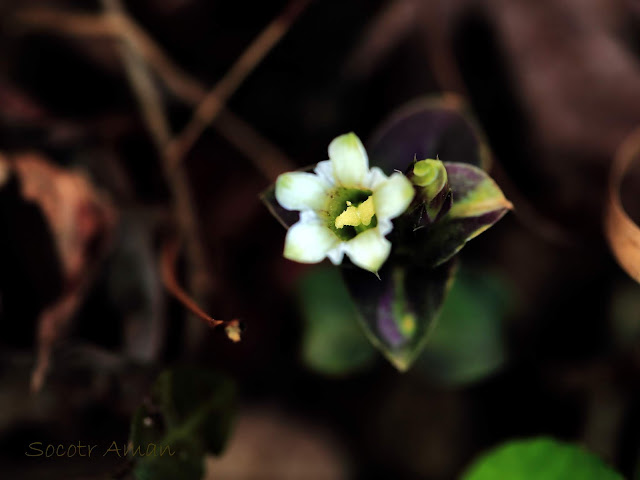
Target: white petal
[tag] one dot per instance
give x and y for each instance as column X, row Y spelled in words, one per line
column 349, row 160
column 368, row 250
column 336, row 254
column 309, row 242
column 375, row 178
column 309, row 216
column 301, row 190
column 324, row 170
column 385, row 226
column 393, row 196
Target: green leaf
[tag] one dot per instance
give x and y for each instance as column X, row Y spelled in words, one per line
column 539, row 459
column 398, row 310
column 332, row 343
column 190, row 413
column 467, row 342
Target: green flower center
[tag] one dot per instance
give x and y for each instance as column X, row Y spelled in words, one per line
column 350, row 211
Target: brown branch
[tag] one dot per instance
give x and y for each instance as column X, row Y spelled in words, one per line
column 168, row 260
column 152, row 110
column 147, row 94
column 215, row 100
column 138, row 50
column 112, row 26
column 265, row 156
column 167, row 268
column 50, row 323
column 50, row 20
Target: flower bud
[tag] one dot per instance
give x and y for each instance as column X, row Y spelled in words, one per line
column 433, row 192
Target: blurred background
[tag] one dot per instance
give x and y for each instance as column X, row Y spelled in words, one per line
column 123, row 123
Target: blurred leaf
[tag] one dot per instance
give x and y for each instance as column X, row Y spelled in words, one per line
column 467, row 342
column 625, row 321
column 187, row 463
column 333, row 342
column 190, row 412
column 81, row 219
column 478, row 203
column 430, row 127
column 539, row 459
column 398, row 310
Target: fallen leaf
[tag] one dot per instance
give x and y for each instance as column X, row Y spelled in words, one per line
column 81, row 220
column 622, row 233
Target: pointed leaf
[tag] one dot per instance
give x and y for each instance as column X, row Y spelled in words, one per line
column 430, row 127
column 540, row 459
column 478, row 203
column 398, row 310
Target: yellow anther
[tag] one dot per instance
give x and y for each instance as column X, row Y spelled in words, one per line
column 355, row 216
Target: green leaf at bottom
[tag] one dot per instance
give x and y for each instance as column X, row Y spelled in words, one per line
column 332, row 343
column 540, row 459
column 467, row 343
column 189, row 415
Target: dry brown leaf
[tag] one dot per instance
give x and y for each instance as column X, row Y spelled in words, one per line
column 5, row 170
column 81, row 221
column 622, row 233
column 76, row 213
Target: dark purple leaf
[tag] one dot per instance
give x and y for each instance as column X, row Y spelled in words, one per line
column 431, row 127
column 398, row 310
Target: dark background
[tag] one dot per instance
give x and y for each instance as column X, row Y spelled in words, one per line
column 555, row 85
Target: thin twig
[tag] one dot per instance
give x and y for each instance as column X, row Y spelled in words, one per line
column 147, row 95
column 168, row 259
column 265, row 156
column 139, row 50
column 213, row 102
column 70, row 23
column 153, row 112
column 167, row 266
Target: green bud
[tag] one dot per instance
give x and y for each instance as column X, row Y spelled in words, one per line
column 433, row 193
column 431, row 176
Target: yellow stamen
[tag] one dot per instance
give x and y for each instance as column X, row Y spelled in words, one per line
column 355, row 216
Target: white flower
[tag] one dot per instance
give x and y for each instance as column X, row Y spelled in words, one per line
column 345, row 207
